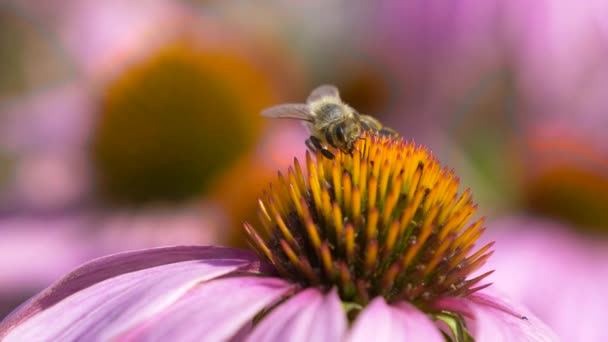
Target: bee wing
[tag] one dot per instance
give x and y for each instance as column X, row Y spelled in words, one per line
column 297, row 111
column 323, row 91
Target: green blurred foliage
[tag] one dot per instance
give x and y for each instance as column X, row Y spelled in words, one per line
column 5, row 168
column 483, row 126
column 29, row 57
column 12, row 51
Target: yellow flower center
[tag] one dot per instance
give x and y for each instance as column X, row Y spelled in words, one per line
column 385, row 221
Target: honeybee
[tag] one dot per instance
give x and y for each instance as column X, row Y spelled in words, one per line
column 330, row 121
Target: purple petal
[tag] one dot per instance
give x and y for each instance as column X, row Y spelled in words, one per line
column 402, row 322
column 497, row 319
column 99, row 270
column 214, row 311
column 111, row 307
column 562, row 257
column 308, row 316
column 494, row 318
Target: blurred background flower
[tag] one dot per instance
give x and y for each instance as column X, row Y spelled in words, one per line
column 141, row 109
column 169, row 125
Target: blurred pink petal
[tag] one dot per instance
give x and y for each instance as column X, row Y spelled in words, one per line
column 446, row 49
column 380, row 321
column 561, row 276
column 308, row 316
column 560, row 53
column 35, row 252
column 47, row 132
column 122, row 230
column 48, row 181
column 282, row 143
column 97, row 33
column 54, row 119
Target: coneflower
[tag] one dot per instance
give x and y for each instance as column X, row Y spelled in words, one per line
column 370, row 246
column 158, row 117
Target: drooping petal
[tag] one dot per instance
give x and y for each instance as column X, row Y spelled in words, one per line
column 380, row 322
column 497, row 319
column 150, row 265
column 561, row 256
column 493, row 318
column 308, row 316
column 214, row 311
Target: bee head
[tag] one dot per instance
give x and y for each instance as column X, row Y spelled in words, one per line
column 347, row 132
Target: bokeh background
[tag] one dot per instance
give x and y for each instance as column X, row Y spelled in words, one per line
column 134, row 124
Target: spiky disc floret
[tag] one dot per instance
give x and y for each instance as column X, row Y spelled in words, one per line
column 385, row 221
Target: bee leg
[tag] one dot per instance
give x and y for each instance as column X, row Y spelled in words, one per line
column 318, row 145
column 311, row 146
column 327, row 154
column 314, row 144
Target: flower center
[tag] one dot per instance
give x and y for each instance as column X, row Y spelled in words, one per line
column 386, row 221
column 571, row 193
column 160, row 121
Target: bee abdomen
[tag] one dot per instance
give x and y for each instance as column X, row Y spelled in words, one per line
column 387, row 132
column 365, row 126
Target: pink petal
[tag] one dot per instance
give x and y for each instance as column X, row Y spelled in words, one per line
column 308, row 316
column 495, row 318
column 402, row 322
column 560, row 256
column 214, row 311
column 99, row 270
column 111, row 307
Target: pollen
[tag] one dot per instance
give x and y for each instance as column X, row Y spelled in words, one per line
column 385, row 221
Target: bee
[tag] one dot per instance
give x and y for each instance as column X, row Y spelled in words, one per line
column 330, row 121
